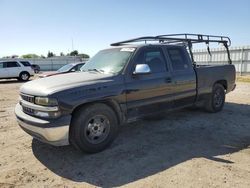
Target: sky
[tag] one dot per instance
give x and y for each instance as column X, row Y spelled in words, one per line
column 37, row 26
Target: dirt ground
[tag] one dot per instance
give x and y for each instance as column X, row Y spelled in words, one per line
column 188, row 148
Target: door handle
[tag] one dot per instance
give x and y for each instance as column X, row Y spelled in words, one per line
column 168, row 80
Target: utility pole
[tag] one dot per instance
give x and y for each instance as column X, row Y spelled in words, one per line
column 72, row 44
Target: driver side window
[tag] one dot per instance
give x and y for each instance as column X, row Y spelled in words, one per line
column 154, row 58
column 78, row 67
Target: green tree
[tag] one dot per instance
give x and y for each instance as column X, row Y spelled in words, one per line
column 84, row 56
column 62, row 54
column 50, row 54
column 73, row 53
column 30, row 56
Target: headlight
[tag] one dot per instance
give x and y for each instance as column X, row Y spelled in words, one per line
column 47, row 114
column 45, row 101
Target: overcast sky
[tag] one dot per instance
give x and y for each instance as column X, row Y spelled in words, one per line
column 36, row 26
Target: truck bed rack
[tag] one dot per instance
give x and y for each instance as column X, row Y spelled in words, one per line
column 185, row 39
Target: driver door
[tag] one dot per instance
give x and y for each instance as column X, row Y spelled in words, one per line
column 13, row 68
column 149, row 93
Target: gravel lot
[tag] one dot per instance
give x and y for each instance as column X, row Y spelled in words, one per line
column 188, row 148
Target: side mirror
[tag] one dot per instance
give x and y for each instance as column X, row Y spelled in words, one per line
column 142, row 69
column 73, row 70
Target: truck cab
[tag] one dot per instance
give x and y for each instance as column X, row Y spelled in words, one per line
column 170, row 82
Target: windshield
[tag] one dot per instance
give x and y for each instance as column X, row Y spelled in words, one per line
column 25, row 63
column 109, row 61
column 65, row 68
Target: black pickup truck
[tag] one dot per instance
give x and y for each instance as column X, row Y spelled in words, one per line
column 119, row 85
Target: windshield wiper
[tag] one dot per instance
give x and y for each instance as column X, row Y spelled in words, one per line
column 96, row 70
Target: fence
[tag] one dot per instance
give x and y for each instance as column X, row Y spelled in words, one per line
column 240, row 57
column 50, row 64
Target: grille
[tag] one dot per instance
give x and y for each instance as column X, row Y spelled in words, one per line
column 28, row 98
column 28, row 110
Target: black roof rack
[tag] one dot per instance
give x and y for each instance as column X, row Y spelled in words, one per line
column 188, row 39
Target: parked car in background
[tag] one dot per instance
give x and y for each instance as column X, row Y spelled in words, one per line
column 35, row 67
column 72, row 67
column 15, row 69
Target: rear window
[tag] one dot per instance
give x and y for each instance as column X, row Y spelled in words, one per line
column 178, row 59
column 12, row 64
column 25, row 63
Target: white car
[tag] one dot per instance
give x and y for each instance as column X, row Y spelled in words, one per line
column 15, row 69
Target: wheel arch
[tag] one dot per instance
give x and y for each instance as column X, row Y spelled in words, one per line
column 222, row 82
column 114, row 105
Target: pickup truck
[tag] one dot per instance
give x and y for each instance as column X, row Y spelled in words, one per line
column 119, row 85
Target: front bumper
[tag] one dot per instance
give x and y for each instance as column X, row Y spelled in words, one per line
column 234, row 86
column 54, row 132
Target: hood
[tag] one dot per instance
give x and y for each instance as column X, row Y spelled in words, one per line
column 49, row 85
column 46, row 74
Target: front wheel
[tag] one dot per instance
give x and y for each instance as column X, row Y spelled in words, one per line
column 93, row 128
column 24, row 76
column 216, row 99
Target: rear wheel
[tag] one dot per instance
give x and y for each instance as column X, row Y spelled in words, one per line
column 93, row 128
column 24, row 76
column 216, row 99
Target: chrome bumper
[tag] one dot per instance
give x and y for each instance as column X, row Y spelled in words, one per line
column 54, row 132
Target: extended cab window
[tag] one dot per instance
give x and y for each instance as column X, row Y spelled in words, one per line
column 11, row 64
column 154, row 58
column 25, row 63
column 1, row 65
column 178, row 59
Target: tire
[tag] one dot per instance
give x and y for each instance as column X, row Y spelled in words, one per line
column 93, row 128
column 24, row 76
column 216, row 99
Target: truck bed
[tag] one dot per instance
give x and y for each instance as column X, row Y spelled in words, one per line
column 207, row 75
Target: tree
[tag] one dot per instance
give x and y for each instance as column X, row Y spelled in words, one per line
column 62, row 54
column 30, row 56
column 73, row 53
column 50, row 54
column 84, row 56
